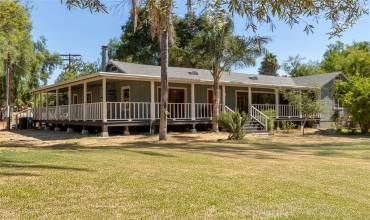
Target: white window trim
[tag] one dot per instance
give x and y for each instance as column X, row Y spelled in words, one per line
column 129, row 89
column 173, row 87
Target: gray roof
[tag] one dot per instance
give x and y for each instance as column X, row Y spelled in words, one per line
column 203, row 75
column 317, row 80
column 233, row 77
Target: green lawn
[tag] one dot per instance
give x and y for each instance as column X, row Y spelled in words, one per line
column 262, row 177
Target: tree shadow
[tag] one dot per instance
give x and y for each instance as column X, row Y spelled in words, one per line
column 18, row 174
column 259, row 149
column 27, row 165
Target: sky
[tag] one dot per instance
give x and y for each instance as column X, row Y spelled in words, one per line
column 78, row 31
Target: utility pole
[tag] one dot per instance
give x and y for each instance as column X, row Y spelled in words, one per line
column 9, row 72
column 70, row 58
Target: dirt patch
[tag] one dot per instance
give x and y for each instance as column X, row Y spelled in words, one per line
column 40, row 138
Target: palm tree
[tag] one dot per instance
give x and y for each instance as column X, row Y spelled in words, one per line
column 341, row 14
column 160, row 20
column 269, row 65
column 221, row 50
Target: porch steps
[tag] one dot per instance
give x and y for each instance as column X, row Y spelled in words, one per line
column 253, row 126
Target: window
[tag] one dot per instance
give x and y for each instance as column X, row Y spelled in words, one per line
column 89, row 97
column 125, row 94
column 337, row 104
column 263, row 98
column 175, row 95
column 75, row 99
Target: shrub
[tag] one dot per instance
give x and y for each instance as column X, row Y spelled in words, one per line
column 234, row 123
column 271, row 122
column 287, row 126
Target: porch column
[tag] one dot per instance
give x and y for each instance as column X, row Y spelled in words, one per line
column 69, row 102
column 277, row 101
column 249, row 97
column 223, row 97
column 57, row 104
column 152, row 101
column 47, row 104
column 104, row 94
column 192, row 88
column 85, row 101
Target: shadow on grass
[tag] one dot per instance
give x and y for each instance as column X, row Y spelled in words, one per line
column 17, row 174
column 260, row 149
column 26, row 165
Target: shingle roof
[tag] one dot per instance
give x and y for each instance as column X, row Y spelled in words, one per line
column 204, row 75
column 317, row 80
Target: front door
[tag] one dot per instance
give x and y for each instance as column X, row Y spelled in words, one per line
column 176, row 96
column 242, row 101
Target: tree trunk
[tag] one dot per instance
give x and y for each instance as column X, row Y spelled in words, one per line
column 216, row 105
column 365, row 126
column 9, row 80
column 164, row 86
column 303, row 123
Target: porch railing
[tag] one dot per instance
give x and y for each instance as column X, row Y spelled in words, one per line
column 128, row 110
column 77, row 112
column 142, row 111
column 94, row 111
column 203, row 110
column 259, row 116
column 284, row 111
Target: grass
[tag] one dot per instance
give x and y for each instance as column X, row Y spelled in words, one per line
column 42, row 175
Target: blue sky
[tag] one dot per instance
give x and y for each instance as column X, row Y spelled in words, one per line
column 78, row 31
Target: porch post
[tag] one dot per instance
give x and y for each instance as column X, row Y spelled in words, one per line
column 104, row 132
column 249, row 97
column 277, row 101
column 69, row 102
column 192, row 88
column 85, row 101
column 223, row 97
column 84, row 131
column 152, row 101
column 57, row 104
column 46, row 105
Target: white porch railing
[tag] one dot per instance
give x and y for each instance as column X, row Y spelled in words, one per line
column 142, row 111
column 63, row 113
column 179, row 110
column 203, row 110
column 52, row 114
column 94, row 111
column 259, row 117
column 284, row 111
column 128, row 110
column 77, row 112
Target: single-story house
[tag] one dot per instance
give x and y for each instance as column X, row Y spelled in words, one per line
column 127, row 94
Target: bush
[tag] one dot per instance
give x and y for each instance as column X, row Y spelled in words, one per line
column 234, row 123
column 271, row 122
column 287, row 126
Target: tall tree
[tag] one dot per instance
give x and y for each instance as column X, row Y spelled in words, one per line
column 341, row 14
column 269, row 65
column 139, row 46
column 31, row 62
column 294, row 66
column 352, row 60
column 354, row 94
column 221, row 50
column 77, row 69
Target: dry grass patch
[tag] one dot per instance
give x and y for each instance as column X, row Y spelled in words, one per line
column 64, row 176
